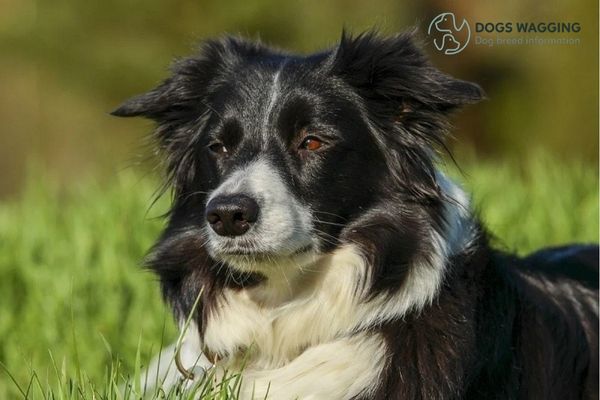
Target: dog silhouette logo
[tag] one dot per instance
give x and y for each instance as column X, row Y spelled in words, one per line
column 448, row 37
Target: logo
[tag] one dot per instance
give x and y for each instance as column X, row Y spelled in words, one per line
column 447, row 36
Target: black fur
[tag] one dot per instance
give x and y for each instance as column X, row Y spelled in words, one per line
column 501, row 327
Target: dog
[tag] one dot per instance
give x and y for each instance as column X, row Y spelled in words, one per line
column 320, row 252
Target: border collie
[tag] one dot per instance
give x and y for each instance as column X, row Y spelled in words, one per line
column 330, row 256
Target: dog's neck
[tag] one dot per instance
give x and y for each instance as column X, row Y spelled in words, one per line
column 281, row 285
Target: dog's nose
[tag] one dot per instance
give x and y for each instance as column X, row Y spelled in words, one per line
column 231, row 215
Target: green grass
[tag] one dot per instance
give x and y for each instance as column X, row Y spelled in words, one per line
column 79, row 317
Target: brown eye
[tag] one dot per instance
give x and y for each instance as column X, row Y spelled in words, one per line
column 218, row 148
column 311, row 143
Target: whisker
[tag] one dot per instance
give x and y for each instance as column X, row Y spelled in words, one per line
column 329, row 213
column 193, row 194
column 328, row 223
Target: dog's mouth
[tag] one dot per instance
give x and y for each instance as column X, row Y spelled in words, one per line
column 248, row 259
column 241, row 252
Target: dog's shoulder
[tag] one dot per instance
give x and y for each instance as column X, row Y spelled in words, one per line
column 575, row 262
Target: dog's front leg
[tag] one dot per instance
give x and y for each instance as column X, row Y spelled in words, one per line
column 335, row 370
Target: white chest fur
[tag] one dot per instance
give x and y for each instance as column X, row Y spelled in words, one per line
column 307, row 346
column 325, row 305
column 302, row 347
column 311, row 308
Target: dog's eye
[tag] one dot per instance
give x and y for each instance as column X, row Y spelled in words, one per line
column 311, row 143
column 218, row 148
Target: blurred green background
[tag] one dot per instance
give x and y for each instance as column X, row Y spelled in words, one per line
column 65, row 64
column 74, row 195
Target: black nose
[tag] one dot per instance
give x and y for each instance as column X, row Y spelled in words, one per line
column 231, row 215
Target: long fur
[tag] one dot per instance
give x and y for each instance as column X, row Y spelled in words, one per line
column 367, row 276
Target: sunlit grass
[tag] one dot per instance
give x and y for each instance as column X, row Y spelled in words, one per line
column 79, row 318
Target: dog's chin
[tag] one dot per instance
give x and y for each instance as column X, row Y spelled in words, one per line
column 267, row 262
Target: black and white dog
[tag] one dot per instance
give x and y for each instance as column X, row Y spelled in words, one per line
column 332, row 259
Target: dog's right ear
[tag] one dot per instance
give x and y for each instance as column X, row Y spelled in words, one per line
column 183, row 94
column 152, row 104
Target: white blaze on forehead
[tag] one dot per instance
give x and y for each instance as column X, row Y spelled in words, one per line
column 284, row 224
column 274, row 93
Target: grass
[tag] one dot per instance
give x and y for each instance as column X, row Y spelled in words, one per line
column 79, row 318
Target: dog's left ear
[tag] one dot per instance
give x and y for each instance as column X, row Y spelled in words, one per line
column 394, row 69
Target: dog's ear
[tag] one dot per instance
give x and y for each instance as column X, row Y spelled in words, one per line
column 394, row 70
column 184, row 92
column 180, row 94
column 408, row 97
column 151, row 105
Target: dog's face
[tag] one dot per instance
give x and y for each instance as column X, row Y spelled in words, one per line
column 281, row 163
column 273, row 157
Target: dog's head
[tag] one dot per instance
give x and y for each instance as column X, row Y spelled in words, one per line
column 273, row 157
